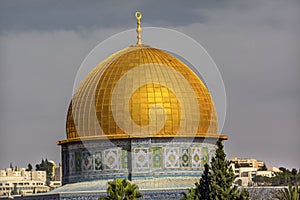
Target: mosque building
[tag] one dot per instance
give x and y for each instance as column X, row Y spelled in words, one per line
column 140, row 114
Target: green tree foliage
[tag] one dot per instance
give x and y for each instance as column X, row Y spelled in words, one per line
column 262, row 180
column 290, row 193
column 191, row 195
column 204, row 188
column 217, row 181
column 223, row 177
column 283, row 178
column 29, row 167
column 47, row 166
column 122, row 189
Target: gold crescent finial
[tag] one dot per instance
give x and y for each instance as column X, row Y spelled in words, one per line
column 138, row 16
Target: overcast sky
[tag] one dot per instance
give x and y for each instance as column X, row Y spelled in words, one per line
column 255, row 44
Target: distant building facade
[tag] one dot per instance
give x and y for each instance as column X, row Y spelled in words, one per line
column 247, row 168
column 56, row 176
column 247, row 162
column 19, row 181
column 57, row 173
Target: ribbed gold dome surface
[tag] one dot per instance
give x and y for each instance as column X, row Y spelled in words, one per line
column 141, row 92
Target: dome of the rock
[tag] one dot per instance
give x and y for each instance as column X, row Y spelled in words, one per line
column 140, row 114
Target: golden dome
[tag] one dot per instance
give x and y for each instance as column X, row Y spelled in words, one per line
column 141, row 92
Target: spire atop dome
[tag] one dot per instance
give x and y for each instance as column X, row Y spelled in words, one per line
column 138, row 16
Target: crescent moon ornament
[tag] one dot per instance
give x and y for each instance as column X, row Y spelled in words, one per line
column 138, row 16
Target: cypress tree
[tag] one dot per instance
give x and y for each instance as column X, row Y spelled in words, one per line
column 217, row 181
column 222, row 177
column 203, row 188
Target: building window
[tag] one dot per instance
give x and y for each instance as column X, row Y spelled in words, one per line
column 244, row 174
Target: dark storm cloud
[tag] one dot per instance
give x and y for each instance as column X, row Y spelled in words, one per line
column 254, row 43
column 78, row 14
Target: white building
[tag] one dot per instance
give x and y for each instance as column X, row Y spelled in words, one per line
column 57, row 173
column 247, row 162
column 246, row 169
column 20, row 181
column 56, row 176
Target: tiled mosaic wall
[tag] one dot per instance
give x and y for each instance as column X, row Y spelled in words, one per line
column 144, row 157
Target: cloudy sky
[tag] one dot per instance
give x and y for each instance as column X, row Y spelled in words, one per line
column 255, row 44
